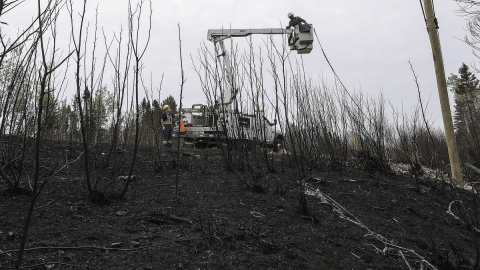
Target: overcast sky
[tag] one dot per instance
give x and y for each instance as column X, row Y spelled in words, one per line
column 369, row 42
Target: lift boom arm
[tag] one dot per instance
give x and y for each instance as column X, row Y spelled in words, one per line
column 215, row 35
column 299, row 41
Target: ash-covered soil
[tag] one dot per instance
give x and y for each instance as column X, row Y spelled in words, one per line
column 355, row 220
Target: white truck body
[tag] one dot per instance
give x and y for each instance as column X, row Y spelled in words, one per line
column 202, row 125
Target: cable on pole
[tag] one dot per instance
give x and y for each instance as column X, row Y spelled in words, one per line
column 424, row 15
column 434, row 15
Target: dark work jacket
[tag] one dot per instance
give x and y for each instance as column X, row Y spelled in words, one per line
column 302, row 24
column 167, row 118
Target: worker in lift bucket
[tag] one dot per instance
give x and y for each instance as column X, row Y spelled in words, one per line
column 167, row 120
column 302, row 24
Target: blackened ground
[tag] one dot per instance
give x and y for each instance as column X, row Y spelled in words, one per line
column 356, row 220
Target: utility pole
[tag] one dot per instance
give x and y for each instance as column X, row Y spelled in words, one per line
column 442, row 92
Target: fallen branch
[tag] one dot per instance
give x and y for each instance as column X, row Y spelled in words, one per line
column 45, row 205
column 345, row 214
column 101, row 248
column 475, row 169
column 42, row 265
column 66, row 165
column 450, row 212
column 180, row 220
column 257, row 214
column 257, row 233
column 405, row 259
column 177, row 219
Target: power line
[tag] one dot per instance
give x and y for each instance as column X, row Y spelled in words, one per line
column 424, row 15
column 434, row 15
column 338, row 78
column 435, row 20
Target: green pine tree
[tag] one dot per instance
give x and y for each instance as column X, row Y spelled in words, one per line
column 465, row 88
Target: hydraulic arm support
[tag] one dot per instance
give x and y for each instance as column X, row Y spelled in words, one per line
column 299, row 41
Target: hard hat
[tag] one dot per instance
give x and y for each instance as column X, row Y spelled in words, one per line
column 290, row 14
column 165, row 107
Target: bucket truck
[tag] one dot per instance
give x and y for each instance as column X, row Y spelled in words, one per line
column 201, row 124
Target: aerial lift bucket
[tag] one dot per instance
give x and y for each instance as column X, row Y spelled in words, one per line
column 302, row 42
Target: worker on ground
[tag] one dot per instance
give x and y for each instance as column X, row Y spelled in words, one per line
column 167, row 120
column 302, row 24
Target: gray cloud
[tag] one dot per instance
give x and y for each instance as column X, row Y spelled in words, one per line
column 368, row 42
